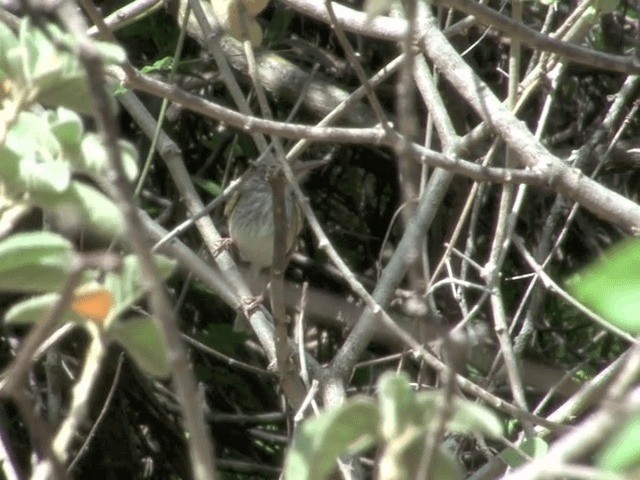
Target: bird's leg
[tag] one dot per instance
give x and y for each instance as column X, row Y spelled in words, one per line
column 248, row 305
column 220, row 245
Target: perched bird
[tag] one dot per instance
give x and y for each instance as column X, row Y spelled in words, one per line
column 249, row 214
column 250, row 218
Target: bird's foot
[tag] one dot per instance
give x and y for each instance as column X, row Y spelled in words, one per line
column 220, row 245
column 248, row 305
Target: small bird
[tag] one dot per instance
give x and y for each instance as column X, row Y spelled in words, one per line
column 250, row 219
column 249, row 214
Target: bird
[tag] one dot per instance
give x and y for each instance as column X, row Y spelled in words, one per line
column 249, row 214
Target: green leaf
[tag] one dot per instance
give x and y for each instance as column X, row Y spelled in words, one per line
column 15, row 68
column 44, row 177
column 34, row 262
column 66, row 90
column 318, row 442
column 10, row 63
column 373, row 8
column 111, row 53
column 466, row 417
column 66, row 126
column 622, row 452
column 396, row 399
column 94, row 157
column 401, row 459
column 129, row 156
column 33, row 162
column 445, row 466
column 53, row 72
column 209, row 186
column 161, row 65
column 279, row 26
column 56, row 73
column 470, row 417
column 534, row 447
column 33, row 309
column 8, row 40
column 606, row 6
column 222, row 338
column 127, row 286
column 30, row 136
column 83, row 207
column 143, row 341
column 41, row 60
column 611, row 286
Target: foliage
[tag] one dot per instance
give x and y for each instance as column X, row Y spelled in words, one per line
column 42, row 152
column 399, row 423
column 41, row 262
column 611, row 286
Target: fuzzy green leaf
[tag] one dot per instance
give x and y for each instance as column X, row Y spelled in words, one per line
column 622, row 451
column 466, row 417
column 127, row 286
column 534, row 447
column 33, row 309
column 396, row 399
column 66, row 126
column 318, row 442
column 83, row 207
column 94, row 159
column 10, row 61
column 34, row 262
column 611, row 286
column 143, row 341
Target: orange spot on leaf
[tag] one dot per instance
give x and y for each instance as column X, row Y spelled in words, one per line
column 93, row 303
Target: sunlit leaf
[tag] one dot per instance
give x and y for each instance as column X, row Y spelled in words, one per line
column 10, row 59
column 606, row 6
column 32, row 162
column 466, row 416
column 533, row 447
column 611, row 286
column 34, row 309
column 66, row 126
column 34, row 262
column 111, row 53
column 622, row 451
column 318, row 442
column 471, row 417
column 95, row 162
column 161, row 65
column 143, row 341
column 402, row 459
column 41, row 60
column 373, row 8
column 396, row 399
column 81, row 206
column 127, row 284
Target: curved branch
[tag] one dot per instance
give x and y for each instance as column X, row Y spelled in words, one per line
column 386, row 28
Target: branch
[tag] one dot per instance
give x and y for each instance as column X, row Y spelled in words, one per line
column 393, row 29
